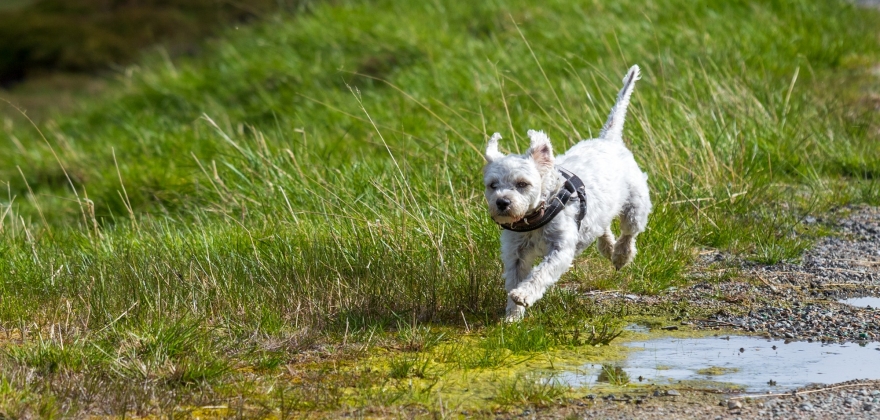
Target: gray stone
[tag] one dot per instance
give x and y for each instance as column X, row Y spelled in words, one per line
column 734, row 404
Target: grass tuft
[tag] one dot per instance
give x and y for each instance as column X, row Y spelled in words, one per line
column 614, row 375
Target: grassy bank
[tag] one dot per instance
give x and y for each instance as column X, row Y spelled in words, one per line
column 314, row 183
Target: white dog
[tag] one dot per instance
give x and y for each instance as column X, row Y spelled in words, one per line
column 556, row 207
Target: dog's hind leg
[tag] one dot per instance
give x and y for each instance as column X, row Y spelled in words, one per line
column 605, row 244
column 633, row 220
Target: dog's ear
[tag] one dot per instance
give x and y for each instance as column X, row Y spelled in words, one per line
column 540, row 150
column 492, row 153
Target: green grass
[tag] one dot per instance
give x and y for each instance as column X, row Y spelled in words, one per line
column 408, row 365
column 614, row 375
column 309, row 182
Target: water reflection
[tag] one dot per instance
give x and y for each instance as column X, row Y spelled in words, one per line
column 863, row 302
column 748, row 363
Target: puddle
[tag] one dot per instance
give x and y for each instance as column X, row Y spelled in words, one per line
column 863, row 302
column 746, row 363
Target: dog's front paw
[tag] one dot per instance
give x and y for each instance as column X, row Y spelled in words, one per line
column 520, row 297
column 515, row 314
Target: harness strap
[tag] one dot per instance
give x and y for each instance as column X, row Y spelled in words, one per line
column 580, row 190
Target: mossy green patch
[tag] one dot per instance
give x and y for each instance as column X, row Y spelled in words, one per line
column 464, row 372
column 716, row 370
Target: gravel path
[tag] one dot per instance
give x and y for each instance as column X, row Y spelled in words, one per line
column 802, row 299
column 795, row 301
column 851, row 259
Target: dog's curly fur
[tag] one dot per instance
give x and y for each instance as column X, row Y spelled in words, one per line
column 516, row 185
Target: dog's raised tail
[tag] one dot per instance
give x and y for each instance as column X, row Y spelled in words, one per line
column 613, row 128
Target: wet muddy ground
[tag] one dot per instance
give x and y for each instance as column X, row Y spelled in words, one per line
column 815, row 323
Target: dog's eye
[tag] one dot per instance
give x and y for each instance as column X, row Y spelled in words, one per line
column 522, row 184
column 493, row 186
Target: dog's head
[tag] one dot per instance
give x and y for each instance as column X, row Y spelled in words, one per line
column 515, row 183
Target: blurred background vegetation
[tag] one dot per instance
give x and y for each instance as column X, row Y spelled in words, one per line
column 52, row 50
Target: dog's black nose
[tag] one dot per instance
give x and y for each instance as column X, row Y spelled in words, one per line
column 502, row 203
